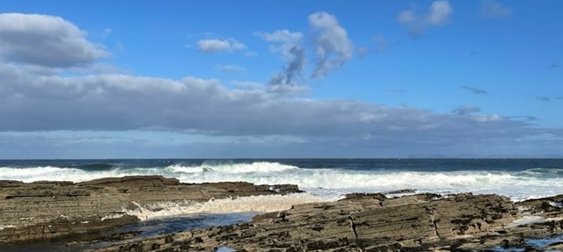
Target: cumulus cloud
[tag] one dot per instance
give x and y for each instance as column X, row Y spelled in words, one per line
column 46, row 41
column 439, row 13
column 474, row 90
column 466, row 109
column 218, row 45
column 494, row 9
column 333, row 48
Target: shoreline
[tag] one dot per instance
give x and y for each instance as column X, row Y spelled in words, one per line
column 51, row 209
column 45, row 210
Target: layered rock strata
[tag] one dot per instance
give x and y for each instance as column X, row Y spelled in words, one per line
column 373, row 222
column 52, row 209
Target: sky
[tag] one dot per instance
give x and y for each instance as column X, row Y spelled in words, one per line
column 281, row 79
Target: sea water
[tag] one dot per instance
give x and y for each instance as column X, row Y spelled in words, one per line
column 322, row 179
column 518, row 179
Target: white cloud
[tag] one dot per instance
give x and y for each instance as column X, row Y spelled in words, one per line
column 47, row 41
column 217, row 45
column 406, row 17
column 382, row 44
column 439, row 13
column 122, row 102
column 363, row 51
column 250, row 54
column 230, row 68
column 333, row 48
column 288, row 44
column 281, row 36
column 283, row 41
column 494, row 9
column 106, row 32
column 248, row 85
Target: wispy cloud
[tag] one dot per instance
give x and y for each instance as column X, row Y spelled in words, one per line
column 494, row 9
column 439, row 13
column 363, row 51
column 474, row 90
column 466, row 109
column 288, row 44
column 248, row 85
column 330, row 43
column 230, row 68
column 397, row 91
column 106, row 32
column 381, row 43
column 543, row 98
column 218, row 45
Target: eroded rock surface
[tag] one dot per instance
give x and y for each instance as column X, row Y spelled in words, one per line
column 53, row 209
column 371, row 222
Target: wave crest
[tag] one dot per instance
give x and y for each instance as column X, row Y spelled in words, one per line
column 262, row 203
column 254, row 167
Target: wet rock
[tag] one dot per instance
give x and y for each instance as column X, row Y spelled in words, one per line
column 369, row 222
column 46, row 209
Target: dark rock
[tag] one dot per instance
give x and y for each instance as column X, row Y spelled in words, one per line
column 50, row 209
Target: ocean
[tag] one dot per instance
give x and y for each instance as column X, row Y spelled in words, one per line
column 322, row 179
column 518, row 179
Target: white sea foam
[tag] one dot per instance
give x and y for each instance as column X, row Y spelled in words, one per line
column 50, row 173
column 262, row 203
column 323, row 182
column 526, row 220
column 6, row 226
column 254, row 167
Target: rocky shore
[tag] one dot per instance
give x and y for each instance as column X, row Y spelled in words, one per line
column 44, row 210
column 359, row 222
column 373, row 222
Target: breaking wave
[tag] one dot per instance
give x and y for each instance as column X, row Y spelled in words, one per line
column 262, row 203
column 328, row 183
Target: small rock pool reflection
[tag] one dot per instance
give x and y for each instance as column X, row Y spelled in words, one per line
column 147, row 228
column 540, row 244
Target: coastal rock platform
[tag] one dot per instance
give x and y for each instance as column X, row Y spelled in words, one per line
column 45, row 209
column 373, row 222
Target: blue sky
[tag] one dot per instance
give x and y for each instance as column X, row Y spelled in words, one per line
column 234, row 79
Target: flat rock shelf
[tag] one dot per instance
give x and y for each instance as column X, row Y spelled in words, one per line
column 373, row 222
column 45, row 210
column 89, row 212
